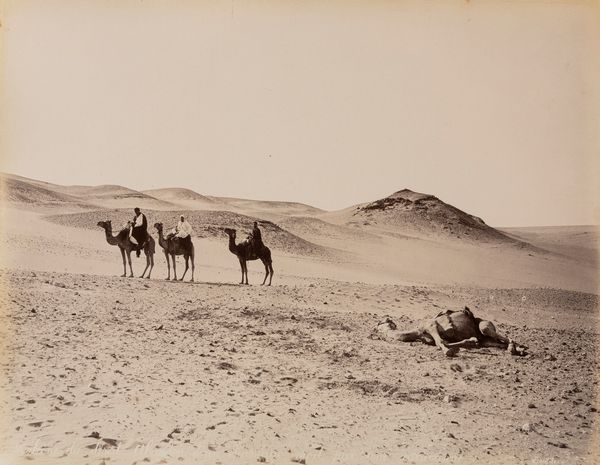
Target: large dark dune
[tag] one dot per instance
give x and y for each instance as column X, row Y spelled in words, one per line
column 424, row 214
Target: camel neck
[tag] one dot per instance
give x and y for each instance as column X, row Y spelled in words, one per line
column 161, row 239
column 109, row 237
column 232, row 246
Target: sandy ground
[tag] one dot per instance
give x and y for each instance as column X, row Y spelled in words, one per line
column 103, row 369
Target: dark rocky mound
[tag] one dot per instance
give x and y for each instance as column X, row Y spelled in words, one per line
column 425, row 214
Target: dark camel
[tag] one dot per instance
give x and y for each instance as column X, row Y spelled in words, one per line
column 450, row 330
column 126, row 247
column 176, row 247
column 244, row 252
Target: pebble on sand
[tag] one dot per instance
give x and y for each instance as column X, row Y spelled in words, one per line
column 526, row 428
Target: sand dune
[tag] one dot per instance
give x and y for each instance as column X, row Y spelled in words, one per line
column 331, row 235
column 418, row 214
column 40, row 194
column 114, row 196
column 186, row 199
column 37, row 196
column 579, row 242
column 272, row 210
column 174, row 194
column 206, row 223
column 36, row 182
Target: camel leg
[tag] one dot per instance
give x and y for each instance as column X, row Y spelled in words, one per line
column 470, row 343
column 491, row 342
column 187, row 258
column 193, row 266
column 271, row 270
column 414, row 336
column 151, row 256
column 168, row 266
column 242, row 267
column 410, row 336
column 491, row 338
column 145, row 269
column 147, row 266
column 512, row 347
column 124, row 263
column 174, row 267
column 129, row 261
column 266, row 272
column 432, row 330
column 246, row 270
column 488, row 329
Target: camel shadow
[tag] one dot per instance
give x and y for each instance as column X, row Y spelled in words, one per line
column 224, row 284
column 206, row 283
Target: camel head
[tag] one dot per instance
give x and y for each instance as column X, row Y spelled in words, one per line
column 105, row 225
column 383, row 328
column 230, row 232
column 158, row 226
column 387, row 324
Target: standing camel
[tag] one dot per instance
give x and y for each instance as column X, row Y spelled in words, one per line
column 244, row 252
column 126, row 247
column 173, row 248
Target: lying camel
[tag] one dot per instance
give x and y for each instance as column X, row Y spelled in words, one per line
column 450, row 330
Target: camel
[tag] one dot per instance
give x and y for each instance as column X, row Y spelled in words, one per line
column 176, row 247
column 126, row 247
column 450, row 330
column 244, row 252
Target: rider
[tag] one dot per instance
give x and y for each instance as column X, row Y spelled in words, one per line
column 183, row 230
column 139, row 230
column 256, row 239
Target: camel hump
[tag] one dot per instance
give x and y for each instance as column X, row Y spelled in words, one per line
column 467, row 311
column 181, row 242
column 445, row 312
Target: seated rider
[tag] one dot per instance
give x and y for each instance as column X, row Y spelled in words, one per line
column 139, row 230
column 183, row 230
column 256, row 239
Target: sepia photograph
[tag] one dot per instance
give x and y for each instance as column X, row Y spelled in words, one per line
column 299, row 232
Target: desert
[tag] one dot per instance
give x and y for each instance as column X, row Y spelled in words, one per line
column 299, row 232
column 99, row 368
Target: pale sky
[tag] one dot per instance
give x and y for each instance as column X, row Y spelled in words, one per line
column 491, row 106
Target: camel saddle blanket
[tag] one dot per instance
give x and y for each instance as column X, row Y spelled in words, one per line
column 443, row 320
column 446, row 324
column 137, row 246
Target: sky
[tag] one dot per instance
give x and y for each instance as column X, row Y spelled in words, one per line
column 491, row 106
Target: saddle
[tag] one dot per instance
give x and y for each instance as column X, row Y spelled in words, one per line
column 179, row 240
column 138, row 247
column 133, row 241
column 447, row 325
column 255, row 250
column 467, row 311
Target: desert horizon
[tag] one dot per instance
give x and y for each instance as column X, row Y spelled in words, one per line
column 171, row 195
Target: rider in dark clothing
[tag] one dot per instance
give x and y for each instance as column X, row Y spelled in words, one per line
column 257, row 243
column 139, row 230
